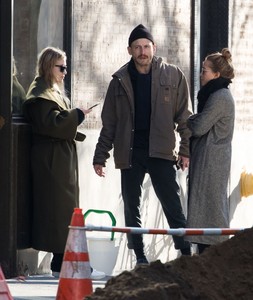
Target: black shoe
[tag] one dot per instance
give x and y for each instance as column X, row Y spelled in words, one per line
column 56, row 262
column 202, row 247
column 142, row 261
column 186, row 251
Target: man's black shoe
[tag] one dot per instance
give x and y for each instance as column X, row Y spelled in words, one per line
column 142, row 261
column 186, row 251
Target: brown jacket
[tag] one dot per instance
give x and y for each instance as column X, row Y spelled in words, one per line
column 170, row 106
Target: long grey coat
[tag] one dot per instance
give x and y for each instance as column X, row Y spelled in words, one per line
column 54, row 166
column 210, row 161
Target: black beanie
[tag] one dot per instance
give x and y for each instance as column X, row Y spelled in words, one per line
column 140, row 32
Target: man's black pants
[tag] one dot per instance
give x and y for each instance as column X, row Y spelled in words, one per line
column 163, row 177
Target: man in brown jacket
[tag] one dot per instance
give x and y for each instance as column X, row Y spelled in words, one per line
column 146, row 101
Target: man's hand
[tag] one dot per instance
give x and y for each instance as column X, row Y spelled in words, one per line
column 99, row 170
column 183, row 162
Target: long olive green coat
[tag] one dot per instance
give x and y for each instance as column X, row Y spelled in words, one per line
column 54, row 165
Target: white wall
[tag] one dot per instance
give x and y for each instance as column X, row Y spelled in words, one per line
column 241, row 207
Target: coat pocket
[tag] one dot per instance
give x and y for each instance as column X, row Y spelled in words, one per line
column 168, row 92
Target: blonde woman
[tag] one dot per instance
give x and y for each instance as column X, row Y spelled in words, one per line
column 54, row 157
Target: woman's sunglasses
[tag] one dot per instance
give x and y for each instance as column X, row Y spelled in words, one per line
column 62, row 68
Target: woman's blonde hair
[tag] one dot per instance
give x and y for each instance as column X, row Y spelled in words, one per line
column 46, row 62
column 222, row 63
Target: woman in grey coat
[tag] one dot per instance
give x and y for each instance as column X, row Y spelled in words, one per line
column 212, row 131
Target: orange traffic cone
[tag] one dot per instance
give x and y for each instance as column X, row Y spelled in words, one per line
column 75, row 282
column 4, row 290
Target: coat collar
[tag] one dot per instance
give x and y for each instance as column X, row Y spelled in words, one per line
column 39, row 89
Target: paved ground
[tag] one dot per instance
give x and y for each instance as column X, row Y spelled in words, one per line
column 40, row 287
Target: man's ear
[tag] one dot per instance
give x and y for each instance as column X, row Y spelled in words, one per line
column 129, row 49
column 154, row 47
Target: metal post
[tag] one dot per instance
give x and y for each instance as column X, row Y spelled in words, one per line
column 214, row 26
column 8, row 238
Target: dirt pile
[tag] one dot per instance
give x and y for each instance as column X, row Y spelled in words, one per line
column 224, row 271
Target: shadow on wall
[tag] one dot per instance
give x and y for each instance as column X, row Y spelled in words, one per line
column 156, row 246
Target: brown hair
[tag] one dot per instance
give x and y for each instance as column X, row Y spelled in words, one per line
column 222, row 63
column 46, row 62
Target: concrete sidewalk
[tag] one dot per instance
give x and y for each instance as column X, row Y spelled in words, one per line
column 40, row 287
